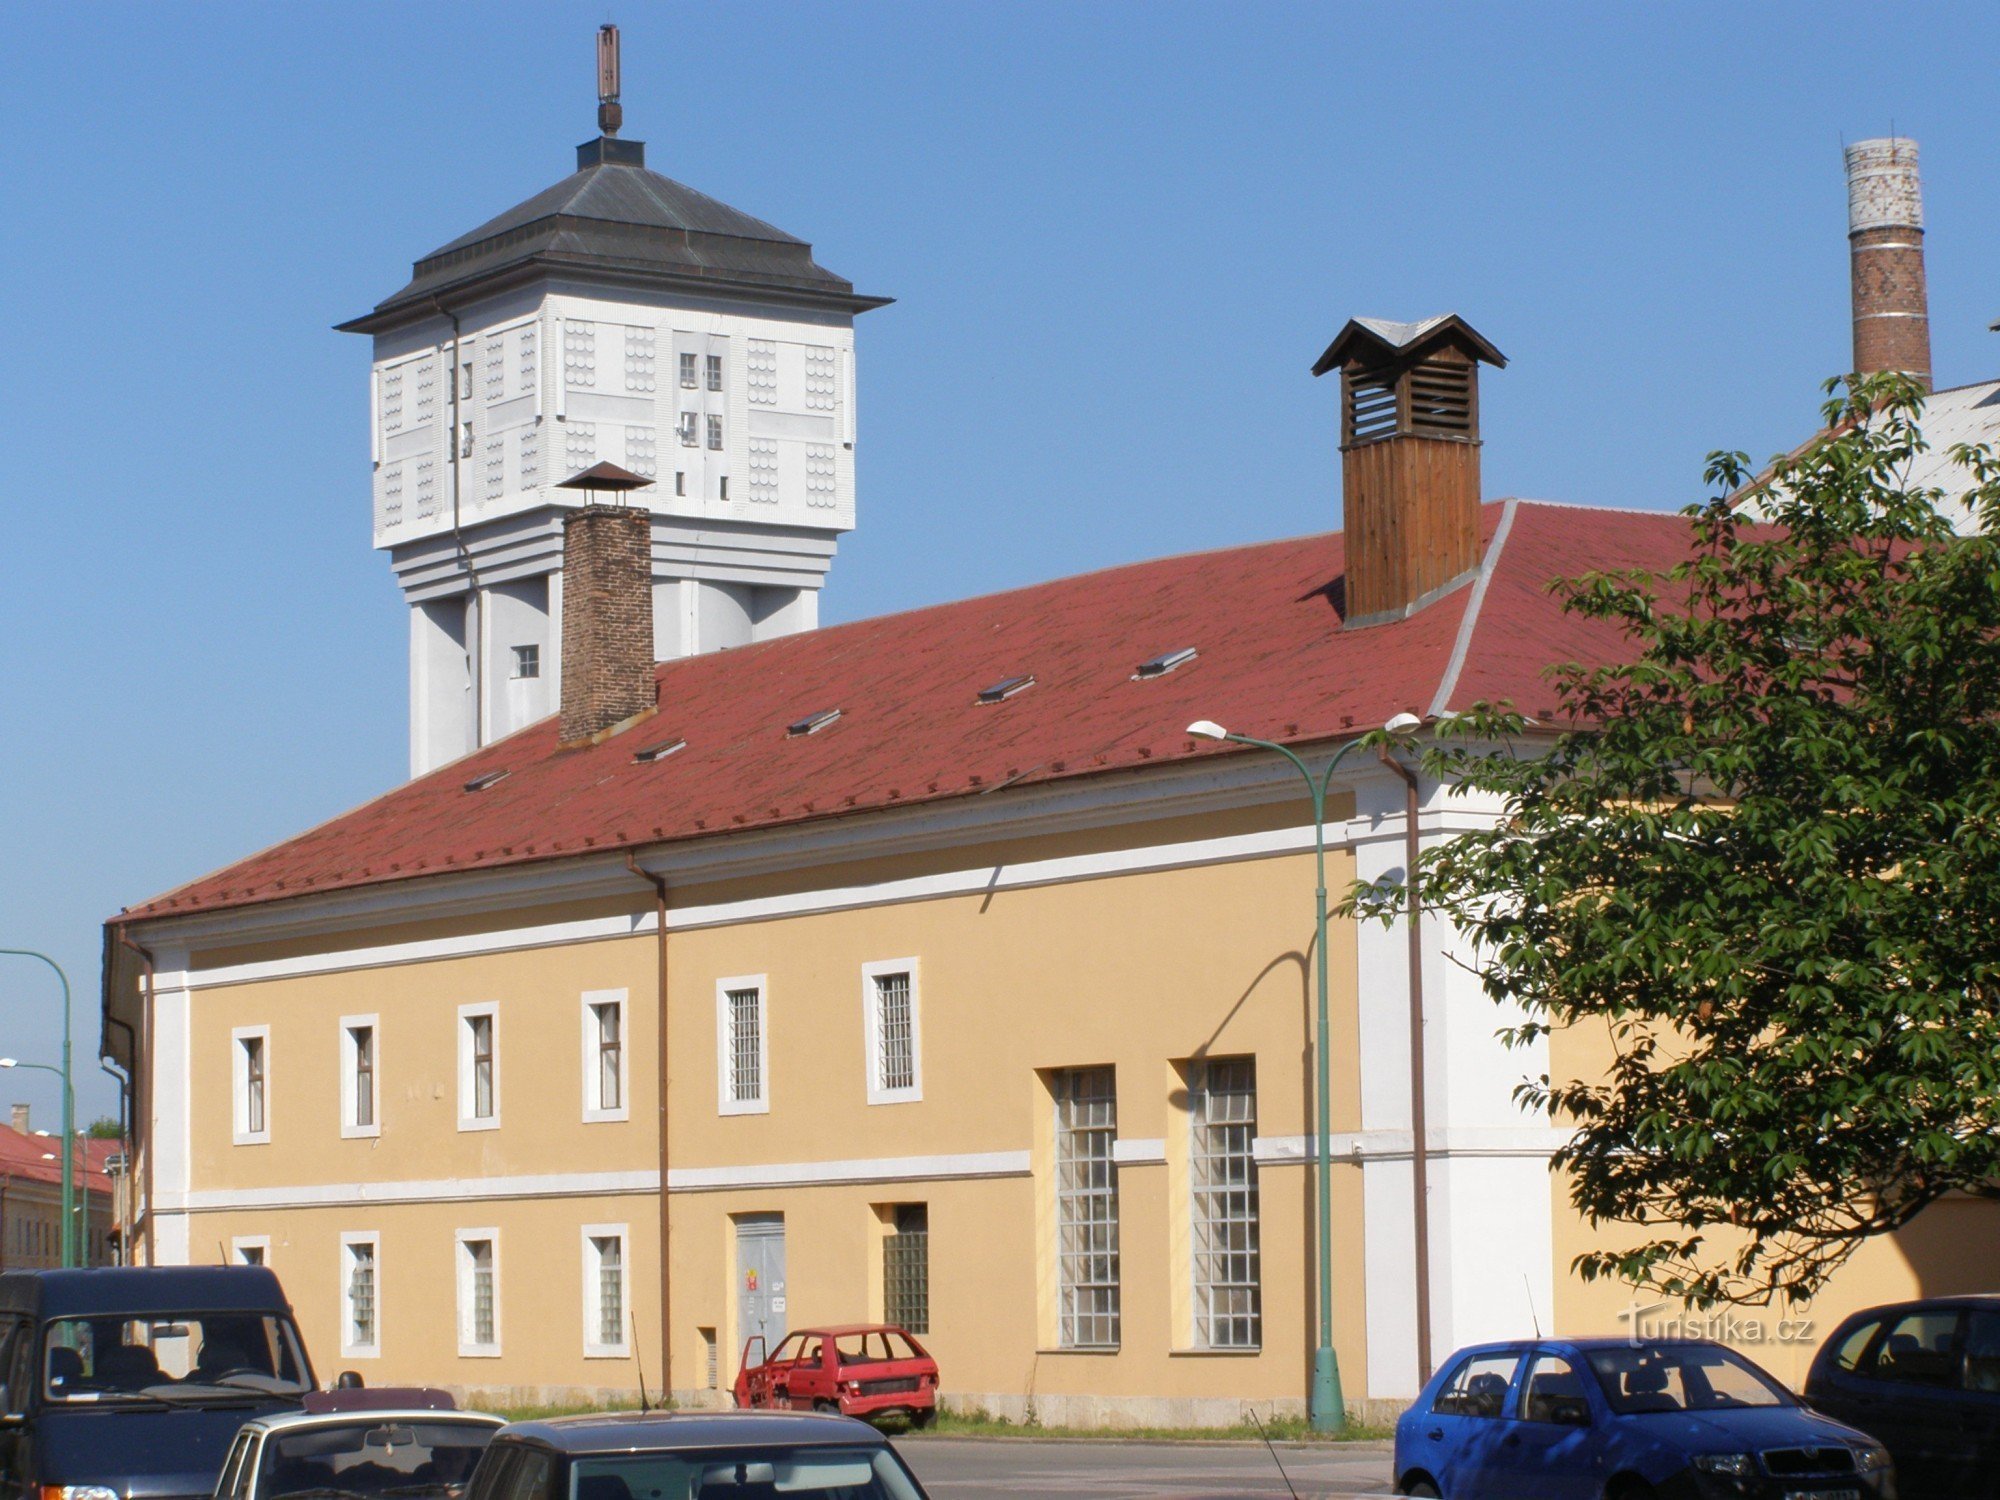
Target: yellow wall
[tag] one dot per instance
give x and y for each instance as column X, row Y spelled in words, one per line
column 1136, row 971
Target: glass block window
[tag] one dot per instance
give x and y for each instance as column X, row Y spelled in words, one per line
column 710, row 1373
column 895, row 1034
column 609, row 1252
column 481, row 1319
column 1228, row 1303
column 714, row 372
column 744, row 1047
column 906, row 1269
column 361, row 1290
column 1086, row 1102
column 687, row 371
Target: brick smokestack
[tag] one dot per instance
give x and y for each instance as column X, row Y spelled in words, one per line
column 21, row 1118
column 607, row 620
column 1885, row 229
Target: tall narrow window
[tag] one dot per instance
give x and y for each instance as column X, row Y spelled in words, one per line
column 743, row 1055
column 604, row 1062
column 364, row 1075
column 906, row 1269
column 1086, row 1103
column 478, row 1293
column 478, row 1067
column 360, row 1295
column 360, row 1081
column 889, row 1023
column 250, row 1085
column 604, row 1329
column 687, row 371
column 686, row 427
column 715, row 433
column 709, row 1371
column 714, row 372
column 1222, row 1187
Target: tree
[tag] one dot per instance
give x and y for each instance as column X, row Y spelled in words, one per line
column 1763, row 852
column 104, row 1128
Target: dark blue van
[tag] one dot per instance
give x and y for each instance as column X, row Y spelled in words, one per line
column 129, row 1383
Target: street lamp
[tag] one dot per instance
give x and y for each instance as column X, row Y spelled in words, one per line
column 69, row 1110
column 1328, row 1409
column 68, row 1151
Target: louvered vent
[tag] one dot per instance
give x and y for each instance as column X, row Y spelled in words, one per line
column 1371, row 405
column 1441, row 398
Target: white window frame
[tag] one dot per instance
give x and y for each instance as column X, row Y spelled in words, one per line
column 725, row 1102
column 687, row 429
column 243, row 1242
column 714, row 433
column 1212, row 1224
column 712, row 372
column 468, row 1346
column 239, row 1086
column 525, row 655
column 350, row 1095
column 349, row 1239
column 466, row 1119
column 594, row 1110
column 592, row 1308
column 871, row 1027
column 690, row 364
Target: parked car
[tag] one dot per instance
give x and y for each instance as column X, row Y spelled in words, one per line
column 1589, row 1418
column 868, row 1370
column 129, row 1383
column 1923, row 1379
column 336, row 1449
column 693, row 1456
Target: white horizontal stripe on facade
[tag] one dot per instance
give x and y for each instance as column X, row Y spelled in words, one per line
column 764, row 908
column 600, row 1184
column 1394, row 1145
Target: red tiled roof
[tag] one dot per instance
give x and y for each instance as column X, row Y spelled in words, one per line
column 1273, row 662
column 37, row 1158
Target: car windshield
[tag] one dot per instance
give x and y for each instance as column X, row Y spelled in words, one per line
column 839, row 1473
column 1692, row 1377
column 172, row 1356
column 372, row 1456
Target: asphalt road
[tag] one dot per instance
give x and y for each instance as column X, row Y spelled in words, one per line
column 975, row 1469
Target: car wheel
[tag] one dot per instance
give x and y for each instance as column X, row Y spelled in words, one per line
column 1631, row 1489
column 1421, row 1487
column 827, row 1408
column 922, row 1419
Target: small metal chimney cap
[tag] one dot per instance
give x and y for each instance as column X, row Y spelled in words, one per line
column 605, row 476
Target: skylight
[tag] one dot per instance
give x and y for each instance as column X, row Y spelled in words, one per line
column 1006, row 687
column 481, row 783
column 813, row 723
column 660, row 750
column 1165, row 662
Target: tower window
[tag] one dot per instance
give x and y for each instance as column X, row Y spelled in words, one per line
column 527, row 661
column 687, row 372
column 715, row 372
column 680, row 482
column 724, row 492
column 686, row 429
column 715, row 433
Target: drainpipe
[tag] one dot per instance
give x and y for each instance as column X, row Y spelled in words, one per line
column 1419, row 1145
column 142, row 1091
column 659, row 885
column 475, row 645
column 124, row 1078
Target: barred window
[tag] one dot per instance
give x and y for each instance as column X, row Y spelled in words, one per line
column 906, row 1269
column 1087, row 1207
column 895, row 1033
column 1228, row 1304
column 743, row 1046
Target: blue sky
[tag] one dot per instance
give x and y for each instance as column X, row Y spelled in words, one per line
column 1118, row 236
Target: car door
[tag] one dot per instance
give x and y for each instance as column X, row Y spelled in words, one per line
column 1910, row 1372
column 15, row 1373
column 1551, row 1444
column 1979, row 1405
column 1459, row 1440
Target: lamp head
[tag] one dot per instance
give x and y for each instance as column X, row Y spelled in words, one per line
column 1404, row 724
column 1207, row 729
column 6, row 1062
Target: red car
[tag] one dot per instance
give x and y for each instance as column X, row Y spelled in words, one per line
column 867, row 1370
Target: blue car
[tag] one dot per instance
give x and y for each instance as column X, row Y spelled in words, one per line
column 1610, row 1419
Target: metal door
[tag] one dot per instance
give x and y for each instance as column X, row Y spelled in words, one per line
column 760, row 1278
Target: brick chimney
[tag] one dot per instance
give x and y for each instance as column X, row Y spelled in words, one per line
column 607, row 620
column 1885, row 233
column 1409, row 445
column 21, row 1118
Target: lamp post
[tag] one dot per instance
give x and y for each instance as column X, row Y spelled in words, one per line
column 69, row 1111
column 1327, row 1408
column 69, row 1146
